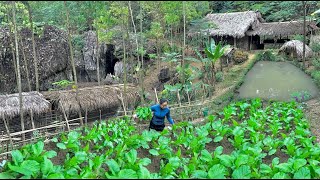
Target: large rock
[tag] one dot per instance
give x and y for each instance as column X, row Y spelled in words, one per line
column 52, row 51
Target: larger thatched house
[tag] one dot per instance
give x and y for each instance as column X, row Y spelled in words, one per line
column 231, row 28
column 249, row 31
column 33, row 105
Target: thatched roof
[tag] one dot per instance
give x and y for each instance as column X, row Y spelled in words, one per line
column 282, row 28
column 233, row 24
column 32, row 101
column 91, row 98
column 297, row 47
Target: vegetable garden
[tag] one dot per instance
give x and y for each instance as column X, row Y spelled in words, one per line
column 247, row 139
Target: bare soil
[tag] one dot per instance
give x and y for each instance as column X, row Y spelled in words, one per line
column 312, row 113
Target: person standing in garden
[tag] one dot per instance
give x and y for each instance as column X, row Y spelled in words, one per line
column 160, row 112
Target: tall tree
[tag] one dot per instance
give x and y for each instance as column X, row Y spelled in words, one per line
column 72, row 59
column 304, row 33
column 184, row 40
column 35, row 59
column 18, row 67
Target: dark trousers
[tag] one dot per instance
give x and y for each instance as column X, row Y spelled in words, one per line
column 156, row 127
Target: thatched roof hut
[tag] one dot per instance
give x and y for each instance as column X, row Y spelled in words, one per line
column 31, row 102
column 282, row 28
column 233, row 24
column 92, row 98
column 295, row 47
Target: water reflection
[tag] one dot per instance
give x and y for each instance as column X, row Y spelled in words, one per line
column 276, row 80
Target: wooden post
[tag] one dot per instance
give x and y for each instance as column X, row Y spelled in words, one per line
column 179, row 98
column 235, row 41
column 65, row 116
column 32, row 121
column 8, row 131
column 100, row 116
column 188, row 97
column 250, row 43
column 2, row 145
column 155, row 92
column 124, row 108
column 179, row 104
column 86, row 117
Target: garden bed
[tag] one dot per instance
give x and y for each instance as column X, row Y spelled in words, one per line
column 244, row 140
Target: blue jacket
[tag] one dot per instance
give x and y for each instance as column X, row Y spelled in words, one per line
column 159, row 114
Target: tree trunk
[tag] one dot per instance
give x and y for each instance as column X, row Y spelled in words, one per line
column 72, row 61
column 304, row 32
column 25, row 64
column 142, row 54
column 157, row 48
column 141, row 67
column 124, row 63
column 98, row 57
column 184, row 41
column 35, row 59
column 18, row 68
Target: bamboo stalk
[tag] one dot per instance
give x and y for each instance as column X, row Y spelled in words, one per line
column 7, row 129
column 32, row 121
column 65, row 116
column 124, row 108
column 155, row 92
column 86, row 117
column 179, row 98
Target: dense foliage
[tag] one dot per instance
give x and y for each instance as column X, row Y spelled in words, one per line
column 245, row 140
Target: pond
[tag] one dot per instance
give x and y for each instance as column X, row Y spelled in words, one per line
column 276, row 81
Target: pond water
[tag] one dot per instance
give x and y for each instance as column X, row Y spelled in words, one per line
column 276, row 81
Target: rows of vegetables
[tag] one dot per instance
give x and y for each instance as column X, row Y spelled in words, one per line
column 256, row 134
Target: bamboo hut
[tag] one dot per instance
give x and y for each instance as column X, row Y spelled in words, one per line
column 231, row 28
column 294, row 49
column 94, row 102
column 33, row 105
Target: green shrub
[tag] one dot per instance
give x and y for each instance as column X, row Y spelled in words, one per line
column 316, row 63
column 219, row 76
column 298, row 37
column 240, row 56
column 316, row 77
column 266, row 56
column 315, row 47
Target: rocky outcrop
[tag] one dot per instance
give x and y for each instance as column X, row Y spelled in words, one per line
column 54, row 59
column 52, row 52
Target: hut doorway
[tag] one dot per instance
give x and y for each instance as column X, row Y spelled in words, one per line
column 110, row 59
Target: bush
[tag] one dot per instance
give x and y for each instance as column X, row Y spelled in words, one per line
column 298, row 37
column 240, row 56
column 219, row 76
column 315, row 47
column 266, row 56
column 316, row 77
column 316, row 63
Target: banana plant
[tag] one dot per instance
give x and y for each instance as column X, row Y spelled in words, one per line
column 214, row 52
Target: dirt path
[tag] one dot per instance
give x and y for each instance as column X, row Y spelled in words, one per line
column 312, row 113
